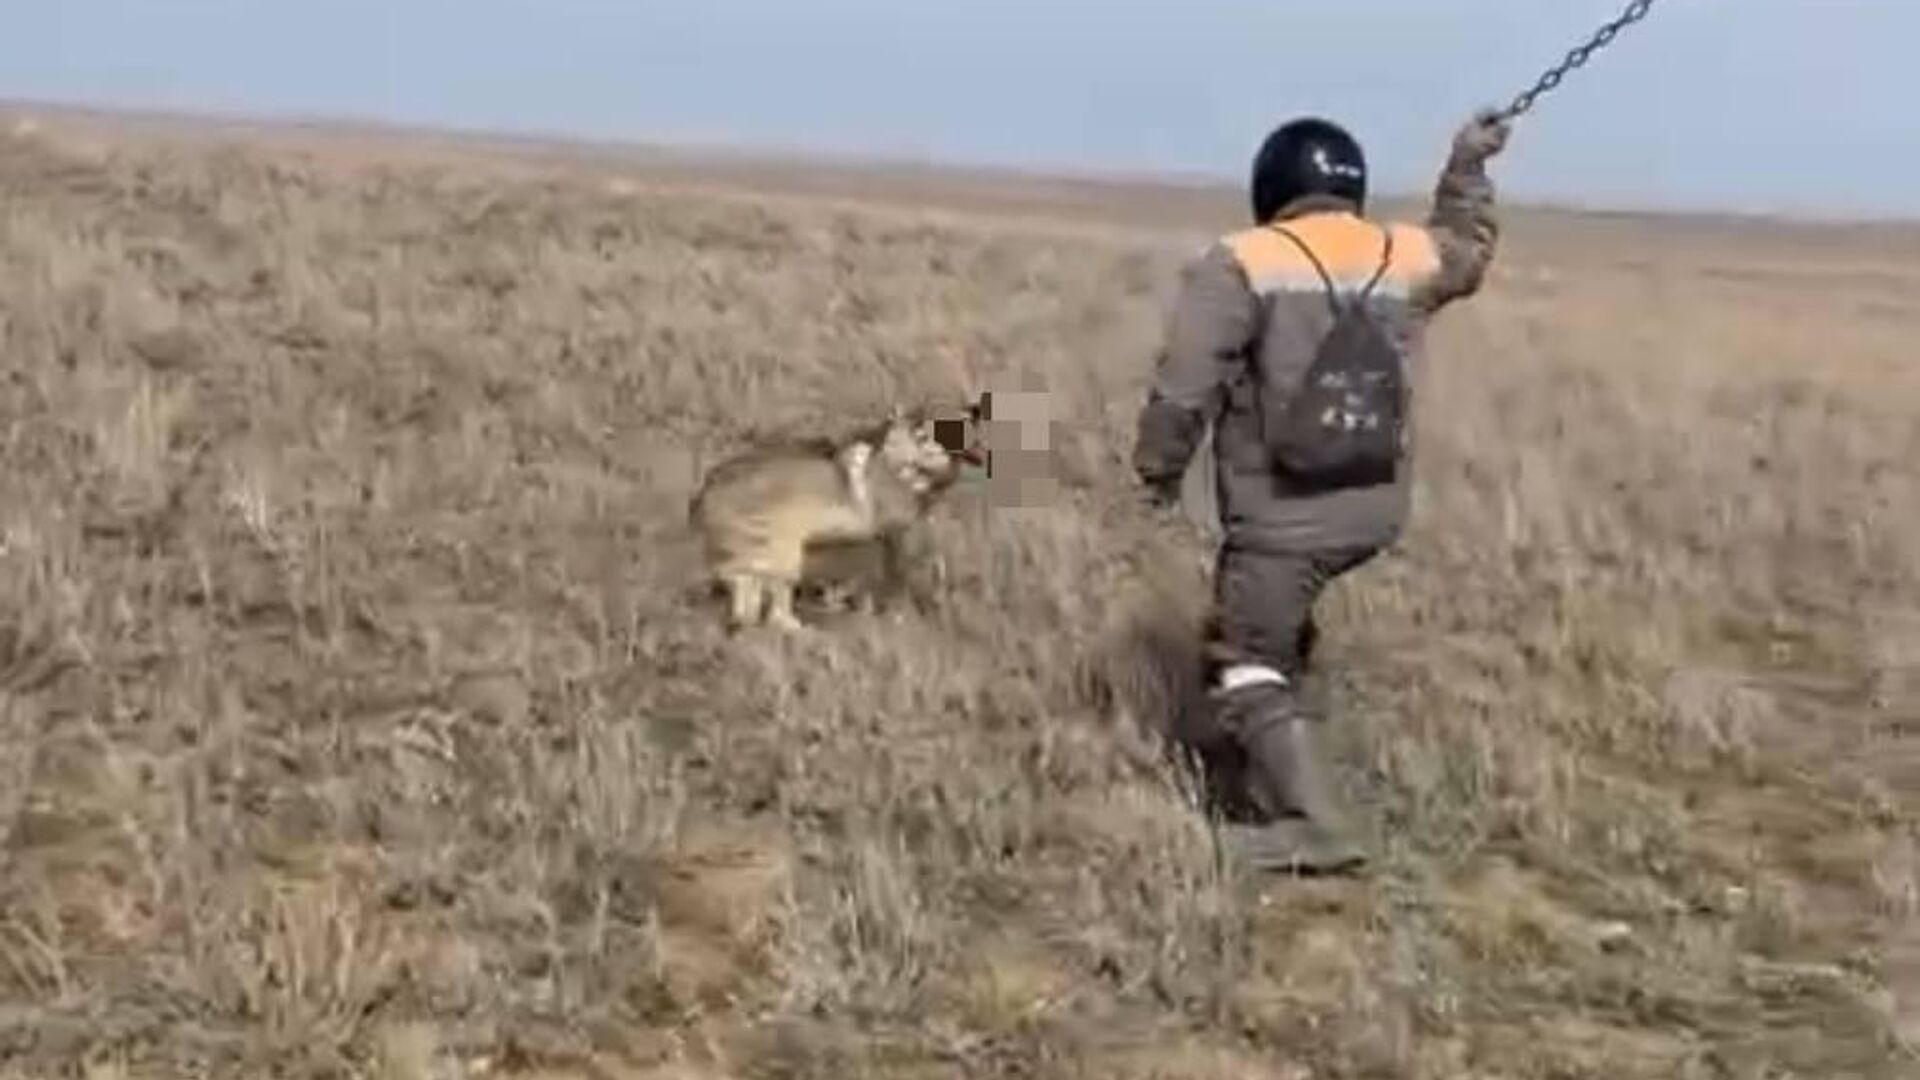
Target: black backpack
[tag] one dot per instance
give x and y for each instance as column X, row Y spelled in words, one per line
column 1343, row 426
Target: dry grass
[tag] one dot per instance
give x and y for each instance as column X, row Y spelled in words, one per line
column 358, row 722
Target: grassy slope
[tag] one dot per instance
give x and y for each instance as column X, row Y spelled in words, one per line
column 357, row 720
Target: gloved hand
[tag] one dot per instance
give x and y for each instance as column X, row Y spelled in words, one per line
column 1482, row 137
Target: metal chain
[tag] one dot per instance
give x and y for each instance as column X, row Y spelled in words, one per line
column 1636, row 10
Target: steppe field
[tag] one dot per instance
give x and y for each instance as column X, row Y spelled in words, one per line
column 361, row 716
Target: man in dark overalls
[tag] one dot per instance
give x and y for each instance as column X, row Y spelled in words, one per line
column 1257, row 296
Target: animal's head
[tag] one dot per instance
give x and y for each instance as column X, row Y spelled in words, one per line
column 929, row 449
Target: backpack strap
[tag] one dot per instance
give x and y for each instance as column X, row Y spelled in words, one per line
column 1326, row 279
column 1386, row 260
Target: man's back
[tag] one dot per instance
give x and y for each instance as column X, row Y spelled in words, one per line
column 1254, row 295
column 1352, row 252
column 1254, row 309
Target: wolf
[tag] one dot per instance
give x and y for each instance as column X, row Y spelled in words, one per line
column 763, row 513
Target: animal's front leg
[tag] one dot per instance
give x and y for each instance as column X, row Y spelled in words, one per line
column 894, row 584
column 853, row 466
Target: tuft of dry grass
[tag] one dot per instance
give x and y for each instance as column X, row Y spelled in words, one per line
column 358, row 721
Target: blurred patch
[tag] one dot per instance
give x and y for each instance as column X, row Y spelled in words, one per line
column 1018, row 432
column 959, row 436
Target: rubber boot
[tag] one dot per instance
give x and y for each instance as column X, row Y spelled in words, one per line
column 1305, row 830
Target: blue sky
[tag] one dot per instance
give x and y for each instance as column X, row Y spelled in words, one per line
column 1776, row 105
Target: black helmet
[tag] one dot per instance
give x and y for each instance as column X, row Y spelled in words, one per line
column 1309, row 156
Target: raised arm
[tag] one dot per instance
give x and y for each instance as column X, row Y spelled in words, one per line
column 1462, row 222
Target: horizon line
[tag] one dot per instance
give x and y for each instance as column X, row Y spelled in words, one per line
column 724, row 151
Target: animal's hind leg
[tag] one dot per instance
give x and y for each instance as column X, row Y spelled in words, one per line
column 784, row 566
column 746, row 601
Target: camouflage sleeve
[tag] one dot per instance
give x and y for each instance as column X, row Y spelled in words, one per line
column 1213, row 323
column 1465, row 231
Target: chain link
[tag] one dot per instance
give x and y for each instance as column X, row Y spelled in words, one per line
column 1636, row 10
